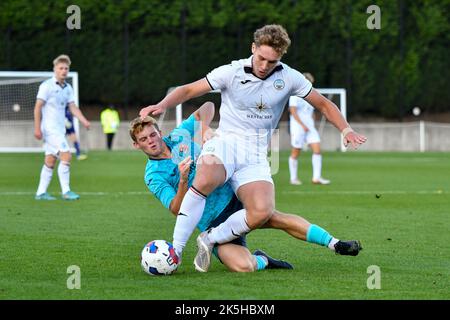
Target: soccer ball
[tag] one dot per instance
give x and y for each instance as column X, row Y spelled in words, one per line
column 158, row 258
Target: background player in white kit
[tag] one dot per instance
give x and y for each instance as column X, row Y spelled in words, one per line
column 254, row 92
column 49, row 124
column 302, row 130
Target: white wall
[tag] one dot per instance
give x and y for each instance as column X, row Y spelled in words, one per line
column 381, row 136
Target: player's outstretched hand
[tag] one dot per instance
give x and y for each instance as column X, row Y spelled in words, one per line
column 354, row 138
column 152, row 110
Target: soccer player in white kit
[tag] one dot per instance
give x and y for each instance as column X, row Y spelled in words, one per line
column 254, row 92
column 302, row 130
column 49, row 124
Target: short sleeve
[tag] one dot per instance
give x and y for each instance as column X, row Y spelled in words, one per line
column 293, row 101
column 71, row 97
column 220, row 77
column 161, row 189
column 190, row 125
column 301, row 86
column 43, row 92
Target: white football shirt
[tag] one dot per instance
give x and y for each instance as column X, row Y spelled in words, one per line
column 250, row 105
column 304, row 109
column 56, row 97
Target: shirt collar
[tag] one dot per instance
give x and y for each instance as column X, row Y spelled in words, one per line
column 248, row 67
column 54, row 80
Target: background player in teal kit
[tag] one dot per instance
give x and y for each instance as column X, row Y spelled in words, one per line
column 170, row 172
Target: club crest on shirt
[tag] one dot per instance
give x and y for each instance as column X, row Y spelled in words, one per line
column 278, row 84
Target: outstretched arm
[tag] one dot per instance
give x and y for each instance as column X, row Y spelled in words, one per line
column 177, row 96
column 332, row 113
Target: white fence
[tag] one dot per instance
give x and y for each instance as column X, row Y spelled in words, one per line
column 410, row 136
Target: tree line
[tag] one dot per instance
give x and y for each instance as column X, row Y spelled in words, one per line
column 130, row 52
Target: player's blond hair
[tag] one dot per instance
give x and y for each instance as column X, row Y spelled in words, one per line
column 138, row 124
column 274, row 36
column 309, row 76
column 62, row 58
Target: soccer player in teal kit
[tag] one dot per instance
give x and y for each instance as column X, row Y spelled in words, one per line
column 170, row 171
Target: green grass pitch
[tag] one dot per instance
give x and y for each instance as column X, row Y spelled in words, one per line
column 404, row 231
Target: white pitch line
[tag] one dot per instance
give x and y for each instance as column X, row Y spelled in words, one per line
column 369, row 192
column 337, row 192
column 121, row 193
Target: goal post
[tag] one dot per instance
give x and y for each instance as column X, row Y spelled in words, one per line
column 18, row 91
column 342, row 105
column 329, row 93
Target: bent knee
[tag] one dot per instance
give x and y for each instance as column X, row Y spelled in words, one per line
column 66, row 156
column 50, row 161
column 204, row 185
column 209, row 177
column 256, row 218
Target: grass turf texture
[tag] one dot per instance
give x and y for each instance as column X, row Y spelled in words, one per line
column 397, row 204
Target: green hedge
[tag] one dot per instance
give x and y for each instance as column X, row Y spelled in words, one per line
column 129, row 52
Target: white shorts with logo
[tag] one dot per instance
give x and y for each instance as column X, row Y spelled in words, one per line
column 55, row 143
column 299, row 136
column 244, row 161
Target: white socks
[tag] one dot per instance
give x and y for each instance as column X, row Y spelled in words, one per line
column 317, row 166
column 332, row 243
column 64, row 176
column 191, row 211
column 293, row 164
column 46, row 177
column 230, row 229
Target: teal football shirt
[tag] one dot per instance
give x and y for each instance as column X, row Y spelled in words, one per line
column 162, row 176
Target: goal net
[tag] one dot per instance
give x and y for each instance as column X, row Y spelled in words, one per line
column 331, row 139
column 18, row 91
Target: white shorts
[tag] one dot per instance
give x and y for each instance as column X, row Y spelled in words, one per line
column 54, row 144
column 244, row 161
column 299, row 137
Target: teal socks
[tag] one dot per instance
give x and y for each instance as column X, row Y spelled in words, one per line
column 318, row 235
column 261, row 262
